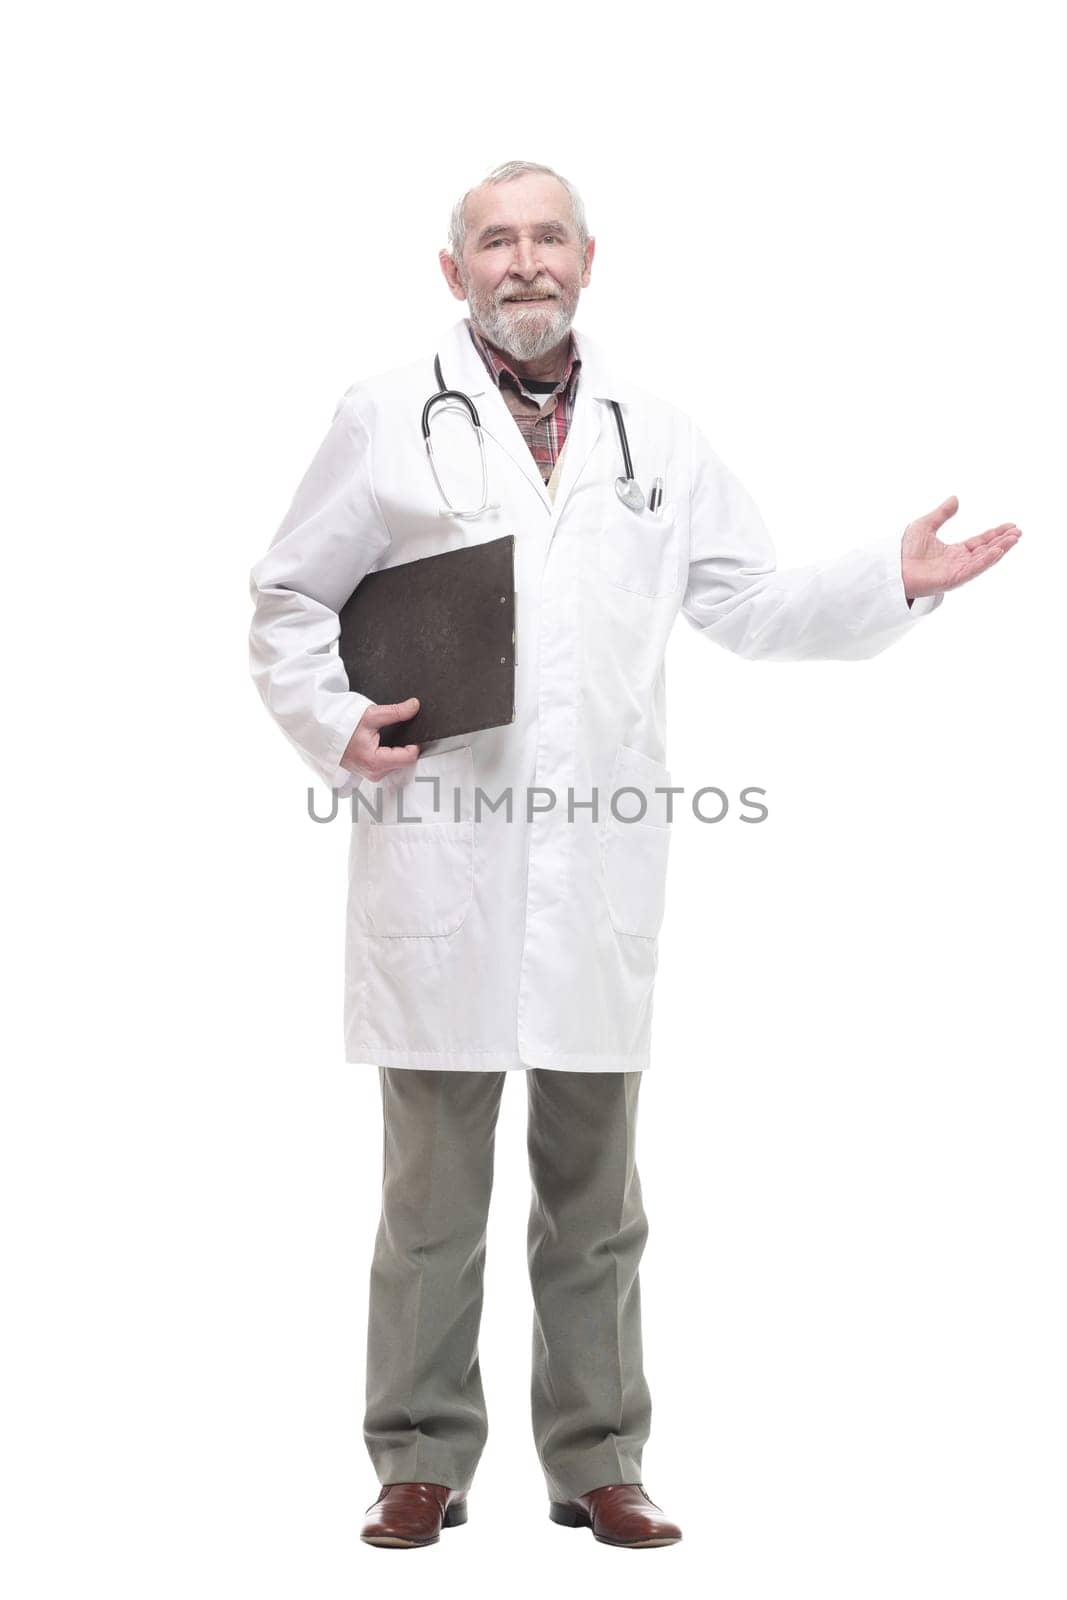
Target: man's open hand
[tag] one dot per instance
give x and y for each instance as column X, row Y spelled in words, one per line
column 929, row 567
column 366, row 755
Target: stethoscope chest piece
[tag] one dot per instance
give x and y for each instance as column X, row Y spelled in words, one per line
column 630, row 494
column 626, row 488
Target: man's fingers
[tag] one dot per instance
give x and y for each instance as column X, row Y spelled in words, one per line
column 381, row 716
column 982, row 559
column 1001, row 544
column 390, row 756
column 375, row 758
column 387, row 758
column 993, row 536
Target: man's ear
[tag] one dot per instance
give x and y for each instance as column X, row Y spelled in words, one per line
column 587, row 262
column 451, row 272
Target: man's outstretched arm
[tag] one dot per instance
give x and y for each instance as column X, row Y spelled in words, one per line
column 848, row 607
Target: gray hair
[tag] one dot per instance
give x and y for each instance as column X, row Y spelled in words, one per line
column 457, row 231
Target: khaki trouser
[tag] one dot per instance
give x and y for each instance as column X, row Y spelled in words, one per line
column 425, row 1417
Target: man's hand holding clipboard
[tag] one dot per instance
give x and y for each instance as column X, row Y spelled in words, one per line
column 366, row 755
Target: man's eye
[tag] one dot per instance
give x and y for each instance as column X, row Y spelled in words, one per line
column 555, row 237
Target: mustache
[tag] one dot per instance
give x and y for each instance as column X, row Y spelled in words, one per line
column 532, row 294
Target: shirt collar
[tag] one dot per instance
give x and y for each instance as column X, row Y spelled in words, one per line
column 497, row 366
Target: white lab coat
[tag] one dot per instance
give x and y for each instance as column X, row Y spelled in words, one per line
column 492, row 944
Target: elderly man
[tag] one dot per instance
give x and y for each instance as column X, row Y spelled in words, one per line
column 530, row 943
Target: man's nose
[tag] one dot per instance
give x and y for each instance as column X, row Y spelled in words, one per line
column 525, row 262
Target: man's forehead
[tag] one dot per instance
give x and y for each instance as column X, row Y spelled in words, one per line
column 533, row 199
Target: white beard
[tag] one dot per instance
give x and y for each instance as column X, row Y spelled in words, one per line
column 524, row 334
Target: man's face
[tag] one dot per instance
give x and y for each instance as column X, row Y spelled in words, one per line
column 522, row 270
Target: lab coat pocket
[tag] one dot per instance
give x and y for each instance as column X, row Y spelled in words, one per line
column 639, row 550
column 634, row 854
column 420, row 873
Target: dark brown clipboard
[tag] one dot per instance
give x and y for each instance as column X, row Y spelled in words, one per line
column 443, row 628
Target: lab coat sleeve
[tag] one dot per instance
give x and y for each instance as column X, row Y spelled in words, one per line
column 845, row 608
column 330, row 537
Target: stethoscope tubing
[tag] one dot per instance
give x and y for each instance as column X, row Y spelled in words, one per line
column 623, row 439
column 472, row 411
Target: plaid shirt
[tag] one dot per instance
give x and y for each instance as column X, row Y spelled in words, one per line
column 543, row 421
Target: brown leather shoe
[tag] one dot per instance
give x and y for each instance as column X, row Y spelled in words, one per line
column 618, row 1513
column 407, row 1514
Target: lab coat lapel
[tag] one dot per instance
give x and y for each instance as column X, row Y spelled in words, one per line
column 587, row 423
column 593, row 418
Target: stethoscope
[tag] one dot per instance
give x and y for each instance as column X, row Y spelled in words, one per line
column 626, row 488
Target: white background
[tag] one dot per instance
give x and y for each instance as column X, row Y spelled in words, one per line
column 832, row 235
